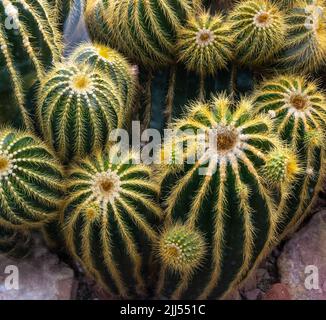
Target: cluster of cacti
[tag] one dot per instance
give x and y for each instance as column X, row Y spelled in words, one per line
column 251, row 167
column 29, row 43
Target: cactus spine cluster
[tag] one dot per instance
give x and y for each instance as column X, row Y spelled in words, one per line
column 146, row 30
column 199, row 196
column 109, row 221
column 205, row 44
column 298, row 109
column 30, row 181
column 29, row 40
column 305, row 46
column 113, row 64
column 260, row 30
column 78, row 107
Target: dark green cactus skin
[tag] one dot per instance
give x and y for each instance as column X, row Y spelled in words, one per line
column 165, row 99
column 76, row 121
column 304, row 133
column 96, row 21
column 110, row 221
column 234, row 251
column 22, row 62
column 31, row 181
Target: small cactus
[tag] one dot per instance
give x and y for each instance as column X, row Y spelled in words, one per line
column 109, row 221
column 229, row 202
column 260, row 29
column 29, row 43
column 205, row 44
column 181, row 249
column 146, row 30
column 78, row 107
column 113, row 64
column 30, row 181
column 298, row 109
column 305, row 47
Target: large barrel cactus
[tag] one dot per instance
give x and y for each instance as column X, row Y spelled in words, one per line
column 298, row 108
column 221, row 217
column 29, row 43
column 109, row 221
column 31, row 186
column 78, row 107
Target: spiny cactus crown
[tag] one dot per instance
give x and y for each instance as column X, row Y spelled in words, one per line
column 260, row 30
column 205, row 43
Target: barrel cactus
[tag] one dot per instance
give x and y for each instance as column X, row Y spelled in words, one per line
column 113, row 64
column 31, row 188
column 260, row 30
column 305, row 46
column 78, row 107
column 205, row 43
column 298, row 108
column 109, row 221
column 29, row 43
column 221, row 198
column 146, row 30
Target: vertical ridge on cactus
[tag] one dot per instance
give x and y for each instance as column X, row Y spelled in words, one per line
column 31, row 187
column 199, row 196
column 298, row 108
column 305, row 46
column 113, row 64
column 96, row 19
column 29, row 39
column 78, row 107
column 146, row 30
column 260, row 30
column 110, row 218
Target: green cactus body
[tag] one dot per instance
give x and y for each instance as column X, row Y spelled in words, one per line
column 305, row 46
column 78, row 107
column 260, row 30
column 14, row 243
column 31, row 187
column 146, row 30
column 29, row 43
column 228, row 204
column 212, row 48
column 113, row 64
column 298, row 108
column 96, row 20
column 109, row 221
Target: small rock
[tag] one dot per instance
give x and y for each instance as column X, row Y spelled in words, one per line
column 255, row 294
column 278, row 291
column 41, row 276
column 302, row 264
